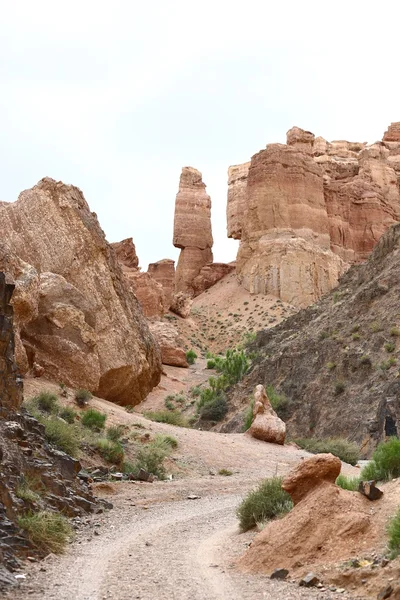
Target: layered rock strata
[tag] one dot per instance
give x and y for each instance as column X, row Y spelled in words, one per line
column 75, row 313
column 192, row 229
column 163, row 271
column 306, row 210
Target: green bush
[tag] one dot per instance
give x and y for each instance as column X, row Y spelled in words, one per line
column 111, row 451
column 47, row 402
column 82, row 397
column 166, row 440
column 394, row 535
column 64, row 436
column 279, row 402
column 48, row 531
column 211, row 364
column 191, row 356
column 395, row 332
column 225, row 472
column 68, row 414
column 215, row 410
column 343, row 449
column 385, row 463
column 93, row 419
column 115, row 432
column 330, row 366
column 348, row 483
column 390, row 347
column 151, row 458
column 196, row 391
column 269, row 500
column 172, row 417
column 248, row 416
column 233, row 366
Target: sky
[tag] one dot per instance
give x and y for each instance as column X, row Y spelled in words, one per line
column 117, row 96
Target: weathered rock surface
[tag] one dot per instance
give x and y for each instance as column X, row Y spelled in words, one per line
column 311, row 473
column 307, row 210
column 181, row 304
column 163, row 271
column 10, row 382
column 192, row 229
column 167, row 336
column 87, row 306
column 266, row 425
column 126, row 253
column 209, row 275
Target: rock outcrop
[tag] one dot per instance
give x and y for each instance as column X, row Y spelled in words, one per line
column 10, row 382
column 266, row 425
column 311, row 473
column 192, row 229
column 307, row 210
column 209, row 275
column 163, row 271
column 172, row 352
column 75, row 312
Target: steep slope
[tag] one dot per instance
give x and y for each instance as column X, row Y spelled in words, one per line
column 337, row 361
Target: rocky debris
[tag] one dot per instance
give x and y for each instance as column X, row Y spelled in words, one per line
column 266, row 425
column 181, row 304
column 279, row 574
column 306, row 210
column 309, row 580
column 209, row 275
column 78, row 319
column 311, row 473
column 167, row 337
column 192, row 229
column 163, row 271
column 369, row 489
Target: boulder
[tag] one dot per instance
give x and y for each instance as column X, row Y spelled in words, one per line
column 167, row 337
column 181, row 304
column 266, row 425
column 209, row 275
column 311, row 473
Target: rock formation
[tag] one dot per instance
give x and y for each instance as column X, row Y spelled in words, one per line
column 167, row 336
column 163, row 271
column 266, row 425
column 307, row 210
column 311, row 473
column 192, row 229
column 75, row 313
column 209, row 275
column 10, row 382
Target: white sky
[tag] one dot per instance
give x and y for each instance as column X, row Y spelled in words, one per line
column 116, row 96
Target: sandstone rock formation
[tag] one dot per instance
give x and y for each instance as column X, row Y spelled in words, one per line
column 163, row 271
column 181, row 304
column 78, row 319
column 126, row 253
column 307, row 210
column 167, row 337
column 266, row 425
column 10, row 383
column 192, row 229
column 311, row 473
column 209, row 275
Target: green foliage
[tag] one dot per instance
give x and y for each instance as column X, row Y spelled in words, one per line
column 348, row 483
column 324, row 335
column 386, row 364
column 355, row 336
column 233, row 366
column 64, row 436
column 375, row 327
column 211, row 364
column 115, row 432
column 264, row 503
column 394, row 535
column 196, row 391
column 365, row 360
column 68, row 414
column 111, row 451
column 225, row 472
column 248, row 416
column 47, row 530
column 167, row 440
column 395, row 332
column 151, row 457
column 24, row 491
column 343, row 449
column 47, row 402
column 93, row 419
column 191, row 356
column 390, row 347
column 279, row 402
column 215, row 410
column 82, row 397
column 330, row 366
column 385, row 463
column 339, row 388
column 168, row 404
column 172, row 417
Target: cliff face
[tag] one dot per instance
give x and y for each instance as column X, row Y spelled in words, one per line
column 10, row 382
column 75, row 313
column 306, row 210
column 192, row 229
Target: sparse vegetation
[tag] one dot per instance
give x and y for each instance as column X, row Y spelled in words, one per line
column 169, row 440
column 82, row 397
column 395, row 332
column 279, row 402
column 47, row 402
column 365, row 360
column 172, row 417
column 64, row 436
column 339, row 388
column 151, row 457
column 111, row 451
column 115, row 432
column 195, row 392
column 355, row 328
column 211, row 364
column 330, row 366
column 385, row 463
column 93, row 419
column 248, row 416
column 47, row 530
column 225, row 472
column 24, row 491
column 68, row 414
column 191, row 356
column 264, row 503
column 394, row 535
column 390, row 347
column 355, row 336
column 348, row 483
column 343, row 449
column 216, row 409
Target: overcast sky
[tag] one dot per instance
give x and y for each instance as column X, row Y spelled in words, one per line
column 116, row 96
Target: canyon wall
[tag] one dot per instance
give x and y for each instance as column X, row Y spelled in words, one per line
column 304, row 211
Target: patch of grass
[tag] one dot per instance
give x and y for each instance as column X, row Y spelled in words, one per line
column 225, row 472
column 82, row 397
column 395, row 332
column 172, row 417
column 355, row 336
column 365, row 360
column 169, row 405
column 191, row 356
column 330, row 366
column 93, row 419
column 390, row 347
column 324, row 335
column 48, row 531
column 24, row 491
column 375, row 327
column 168, row 440
column 64, row 436
column 339, row 388
column 386, row 364
column 394, row 535
column 343, row 449
column 111, row 451
column 279, row 402
column 151, row 459
column 211, row 364
column 348, row 483
column 215, row 410
column 115, row 432
column 264, row 503
column 385, row 463
column 196, row 391
column 248, row 416
column 355, row 328
column 47, row 402
column 68, row 414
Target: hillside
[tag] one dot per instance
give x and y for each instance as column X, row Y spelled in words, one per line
column 337, row 360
